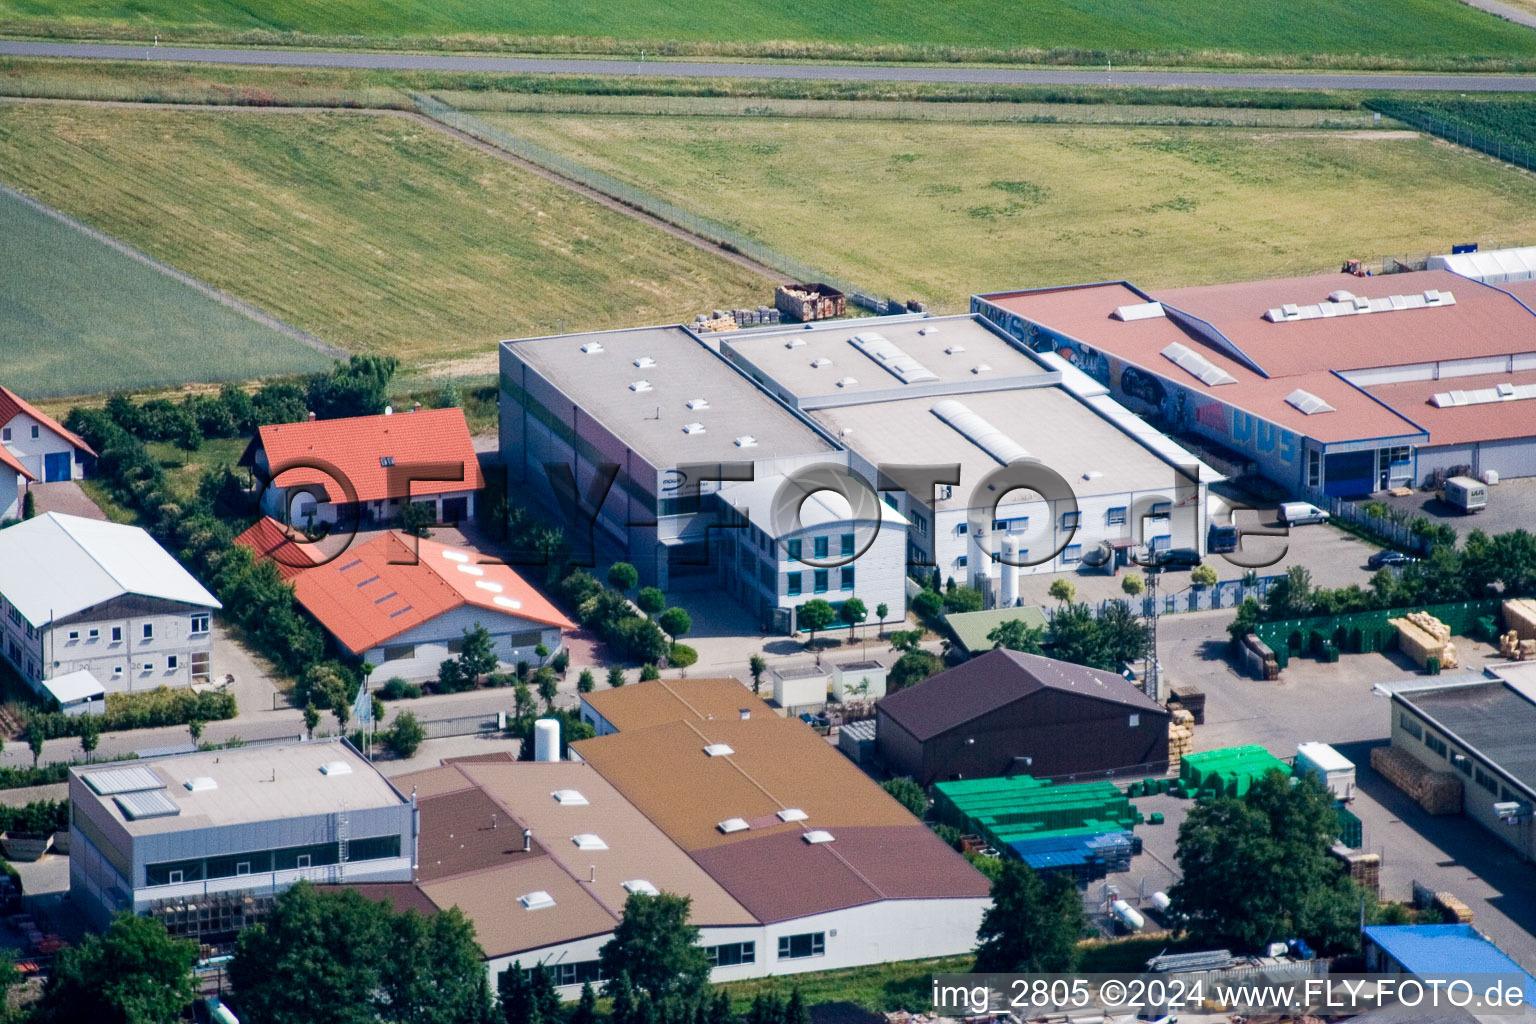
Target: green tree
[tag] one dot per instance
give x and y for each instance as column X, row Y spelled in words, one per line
column 195, row 729
column 586, row 1007
column 649, row 671
column 435, row 973
column 928, row 606
column 1248, row 616
column 586, row 682
column 853, row 612
column 522, row 702
column 1257, row 869
column 795, row 1010
column 478, row 656
column 90, row 734
column 1018, row 635
column 681, row 656
column 1063, row 590
column 1033, row 926
column 1075, row 635
column 1122, row 636
column 311, row 718
column 912, row 668
column 656, row 948
column 623, row 577
column 963, row 599
column 548, row 686
column 675, row 622
column 1203, row 576
column 882, row 612
column 28, row 504
column 541, row 652
column 404, row 735
column 757, row 665
column 616, row 676
column 815, row 615
column 560, row 662
column 909, row 794
column 1290, row 596
column 35, row 737
column 1132, row 584
column 906, row 640
column 418, row 518
column 650, row 600
column 133, row 973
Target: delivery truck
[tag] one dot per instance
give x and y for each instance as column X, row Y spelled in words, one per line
column 1332, row 769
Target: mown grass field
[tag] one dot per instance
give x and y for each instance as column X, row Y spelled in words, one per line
column 1414, row 29
column 77, row 316
column 940, row 211
column 373, row 232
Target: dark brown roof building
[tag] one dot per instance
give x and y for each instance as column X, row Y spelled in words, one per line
column 1007, row 712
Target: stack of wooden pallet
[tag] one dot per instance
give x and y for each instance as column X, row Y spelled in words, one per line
column 1363, row 867
column 1453, row 908
column 1421, row 636
column 1516, row 649
column 1436, row 792
column 1181, row 737
column 1520, row 617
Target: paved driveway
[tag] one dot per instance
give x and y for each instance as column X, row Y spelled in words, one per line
column 1509, row 508
column 65, row 497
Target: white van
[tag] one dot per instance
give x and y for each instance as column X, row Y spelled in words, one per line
column 1299, row 513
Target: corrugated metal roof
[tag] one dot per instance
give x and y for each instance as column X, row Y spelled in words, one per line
column 56, row 565
column 148, row 803
column 74, row 686
column 112, row 781
column 1443, row 950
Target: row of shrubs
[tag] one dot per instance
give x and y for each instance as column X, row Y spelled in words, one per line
column 146, row 710
column 38, row 816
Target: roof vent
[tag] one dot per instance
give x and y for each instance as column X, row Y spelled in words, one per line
column 1307, row 402
column 201, row 784
column 795, row 342
column 927, row 330
column 336, row 768
column 1139, row 311
column 645, row 362
column 588, row 841
column 536, row 900
column 1196, row 365
column 642, row 886
column 455, row 556
column 954, row 350
column 792, row 814
column 693, row 428
column 848, row 382
column 730, row 825
column 746, row 441
column 569, row 798
column 981, row 368
column 387, row 461
column 698, row 403
column 640, row 385
column 507, row 602
column 1506, row 390
column 817, row 836
column 820, row 361
column 146, row 803
column 592, row 348
column 718, row 750
column 1341, row 295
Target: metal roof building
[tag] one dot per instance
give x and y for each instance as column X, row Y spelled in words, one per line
column 1440, row 951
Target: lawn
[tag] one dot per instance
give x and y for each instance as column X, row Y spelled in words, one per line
column 903, row 985
column 374, row 232
column 183, row 469
column 1412, row 29
column 78, row 316
column 941, row 211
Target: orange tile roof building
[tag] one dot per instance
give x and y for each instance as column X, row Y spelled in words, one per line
column 39, row 444
column 403, row 604
column 366, row 469
column 1330, row 385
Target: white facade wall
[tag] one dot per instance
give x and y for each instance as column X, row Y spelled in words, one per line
column 510, row 638
column 10, row 493
column 296, row 506
column 874, row 933
column 134, row 662
column 18, row 438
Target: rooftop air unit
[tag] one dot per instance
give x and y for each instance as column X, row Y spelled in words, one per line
column 640, row 385
column 588, row 841
column 848, row 382
column 817, row 836
column 718, row 750
column 336, row 768
column 645, row 362
column 569, row 798
column 730, row 825
column 592, row 348
column 697, row 404
column 746, row 441
column 536, row 900
column 201, row 784
column 693, row 428
column 642, row 886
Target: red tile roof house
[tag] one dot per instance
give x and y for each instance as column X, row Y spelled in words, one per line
column 403, row 605
column 366, row 469
column 12, row 475
column 46, row 451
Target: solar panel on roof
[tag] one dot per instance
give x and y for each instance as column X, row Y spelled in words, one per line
column 111, row 781
column 149, row 803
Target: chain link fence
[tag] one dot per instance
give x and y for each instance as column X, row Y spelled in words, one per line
column 1509, row 152
column 704, row 227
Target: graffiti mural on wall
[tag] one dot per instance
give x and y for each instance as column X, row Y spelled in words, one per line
column 1248, row 433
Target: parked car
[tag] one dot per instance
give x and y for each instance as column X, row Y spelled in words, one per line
column 1299, row 513
column 1382, row 559
column 1175, row 558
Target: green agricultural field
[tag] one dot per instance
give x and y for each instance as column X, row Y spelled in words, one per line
column 77, row 316
column 374, row 232
column 1415, row 30
column 941, row 211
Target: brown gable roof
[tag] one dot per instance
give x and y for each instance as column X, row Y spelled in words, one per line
column 466, row 831
column 997, row 679
column 671, row 700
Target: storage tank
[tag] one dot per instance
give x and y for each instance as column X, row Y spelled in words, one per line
column 1127, row 915
column 1010, row 571
column 1161, row 902
column 546, row 740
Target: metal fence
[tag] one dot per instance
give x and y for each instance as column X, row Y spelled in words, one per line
column 1520, row 156
column 1385, row 527
column 694, row 223
column 462, row 725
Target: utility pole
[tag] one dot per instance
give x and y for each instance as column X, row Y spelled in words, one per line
column 1150, row 684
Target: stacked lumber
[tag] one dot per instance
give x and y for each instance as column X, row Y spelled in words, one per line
column 1516, row 649
column 1181, row 738
column 1436, row 792
column 1363, row 867
column 717, row 324
column 1520, row 617
column 1421, row 636
column 1453, row 908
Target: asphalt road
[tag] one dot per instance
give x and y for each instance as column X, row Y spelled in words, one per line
column 705, row 69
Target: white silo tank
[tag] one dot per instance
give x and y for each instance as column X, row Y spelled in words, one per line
column 1127, row 915
column 1161, row 902
column 1010, row 595
column 546, row 740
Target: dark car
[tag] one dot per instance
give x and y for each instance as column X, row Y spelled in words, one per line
column 1175, row 558
column 1383, row 559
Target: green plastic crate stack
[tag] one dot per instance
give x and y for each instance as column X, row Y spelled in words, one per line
column 1006, row 810
column 1231, row 771
column 1351, row 832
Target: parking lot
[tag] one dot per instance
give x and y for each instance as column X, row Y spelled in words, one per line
column 1509, row 508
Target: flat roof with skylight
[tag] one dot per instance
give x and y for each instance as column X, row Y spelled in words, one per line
column 666, row 395
column 235, row 787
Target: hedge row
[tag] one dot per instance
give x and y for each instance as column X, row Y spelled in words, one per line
column 147, row 710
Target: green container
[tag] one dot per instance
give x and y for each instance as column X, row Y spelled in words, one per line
column 1133, row 790
column 1156, row 818
column 1351, row 832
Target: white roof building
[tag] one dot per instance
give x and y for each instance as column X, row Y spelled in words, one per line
column 57, row 565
